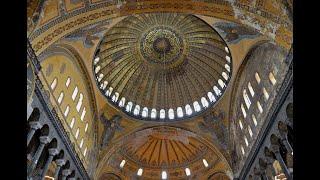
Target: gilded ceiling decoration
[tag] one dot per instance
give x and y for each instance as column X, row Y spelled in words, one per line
column 162, row 66
column 169, row 149
column 30, row 80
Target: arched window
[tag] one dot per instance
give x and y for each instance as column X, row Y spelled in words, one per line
column 204, row 102
column 162, row 114
column 85, row 152
column 77, row 133
column 66, row 112
column 228, row 59
column 100, row 77
column 225, row 76
column 164, row 175
column 246, row 141
column 246, row 98
column 115, row 97
column 79, row 104
column 221, row 83
column 187, row 170
column 188, row 109
column 250, row 131
column 217, row 90
column 240, row 124
column 145, row 112
column 109, row 91
column 54, row 84
column 97, row 69
column 205, row 163
column 251, row 89
column 96, row 60
column 256, row 75
column 129, row 107
column 171, row 114
column 136, row 110
column 254, row 120
column 86, row 128
column 153, row 113
column 140, row 171
column 72, row 122
column 243, row 111
column 83, row 113
column 227, row 67
column 196, row 106
column 226, row 49
column 104, row 85
column 122, row 102
column 179, row 112
column 259, row 107
column 81, row 143
column 211, row 97
column 68, row 82
column 272, row 78
column 75, row 93
column 265, row 94
column 242, row 150
column 60, row 98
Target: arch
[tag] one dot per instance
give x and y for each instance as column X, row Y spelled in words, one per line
column 109, row 176
column 35, row 115
column 289, row 110
column 44, row 130
column 60, row 155
column 218, row 175
column 53, row 143
column 73, row 55
column 249, row 82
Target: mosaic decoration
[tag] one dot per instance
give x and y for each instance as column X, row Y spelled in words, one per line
column 162, row 66
column 213, row 124
column 30, row 81
column 88, row 35
column 110, row 127
column 233, row 33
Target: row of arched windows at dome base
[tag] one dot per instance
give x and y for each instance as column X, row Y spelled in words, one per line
column 171, row 113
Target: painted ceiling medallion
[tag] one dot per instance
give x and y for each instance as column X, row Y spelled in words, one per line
column 162, row 66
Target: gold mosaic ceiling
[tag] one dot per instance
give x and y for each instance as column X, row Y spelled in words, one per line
column 166, row 149
column 162, row 66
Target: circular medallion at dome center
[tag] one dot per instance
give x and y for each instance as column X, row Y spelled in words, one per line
column 162, row 45
column 162, row 66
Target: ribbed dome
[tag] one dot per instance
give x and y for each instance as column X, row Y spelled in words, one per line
column 162, row 66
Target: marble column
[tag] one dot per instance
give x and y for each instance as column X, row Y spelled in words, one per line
column 286, row 143
column 275, row 150
column 52, row 153
column 34, row 125
column 60, row 163
column 65, row 173
column 43, row 141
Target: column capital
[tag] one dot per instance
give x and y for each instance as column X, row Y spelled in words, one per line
column 53, row 151
column 274, row 148
column 66, row 172
column 44, row 139
column 35, row 125
column 60, row 162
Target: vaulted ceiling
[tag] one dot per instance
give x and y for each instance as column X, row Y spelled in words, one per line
column 160, row 55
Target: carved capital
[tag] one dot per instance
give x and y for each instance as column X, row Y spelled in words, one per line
column 35, row 125
column 66, row 172
column 60, row 162
column 53, row 151
column 44, row 139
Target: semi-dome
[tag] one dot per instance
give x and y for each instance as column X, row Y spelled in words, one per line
column 162, row 66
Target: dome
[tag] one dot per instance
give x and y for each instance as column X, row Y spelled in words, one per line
column 162, row 66
column 177, row 152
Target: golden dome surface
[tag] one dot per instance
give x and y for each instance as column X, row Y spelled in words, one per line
column 162, row 66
